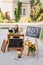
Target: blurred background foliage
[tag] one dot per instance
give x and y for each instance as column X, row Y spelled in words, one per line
column 36, row 14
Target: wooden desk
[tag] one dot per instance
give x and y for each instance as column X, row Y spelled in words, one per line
column 15, row 35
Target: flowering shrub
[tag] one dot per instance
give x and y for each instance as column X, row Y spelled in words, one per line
column 25, row 19
column 4, row 20
column 35, row 12
column 40, row 18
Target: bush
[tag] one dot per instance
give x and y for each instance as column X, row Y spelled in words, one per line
column 25, row 20
column 40, row 18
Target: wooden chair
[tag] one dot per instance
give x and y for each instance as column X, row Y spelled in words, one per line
column 4, row 44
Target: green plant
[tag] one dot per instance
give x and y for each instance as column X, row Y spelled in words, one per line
column 32, row 48
column 17, row 16
column 1, row 14
column 32, row 2
column 36, row 10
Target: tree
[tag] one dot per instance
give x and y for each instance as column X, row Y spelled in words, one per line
column 35, row 9
column 32, row 2
column 1, row 14
column 17, row 17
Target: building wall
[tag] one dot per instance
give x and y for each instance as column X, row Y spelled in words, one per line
column 42, row 2
column 25, row 6
column 14, row 6
column 6, row 6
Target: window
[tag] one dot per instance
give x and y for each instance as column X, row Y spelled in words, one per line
column 24, row 11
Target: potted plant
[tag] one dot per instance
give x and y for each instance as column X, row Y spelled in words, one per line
column 31, row 48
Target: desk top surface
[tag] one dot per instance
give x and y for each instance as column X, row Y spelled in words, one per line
column 12, row 34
